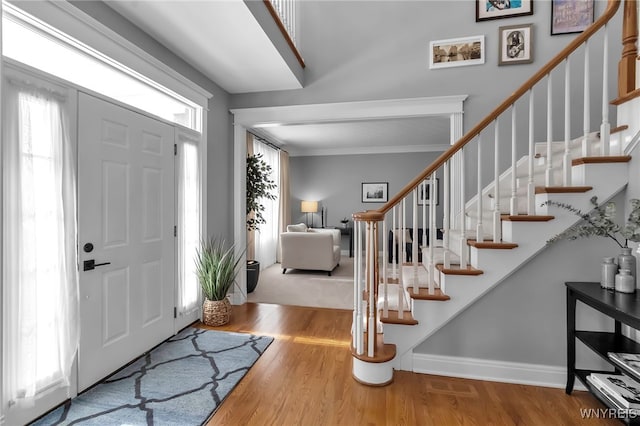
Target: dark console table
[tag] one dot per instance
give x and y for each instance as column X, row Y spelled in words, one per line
column 347, row 231
column 622, row 308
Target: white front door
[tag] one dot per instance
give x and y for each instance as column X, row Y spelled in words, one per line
column 126, row 236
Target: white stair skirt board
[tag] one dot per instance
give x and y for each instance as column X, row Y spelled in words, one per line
column 499, row 264
column 372, row 373
column 493, row 371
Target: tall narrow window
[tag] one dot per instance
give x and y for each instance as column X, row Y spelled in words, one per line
column 188, row 222
column 267, row 234
column 40, row 312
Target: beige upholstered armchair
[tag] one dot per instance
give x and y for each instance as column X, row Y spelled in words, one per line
column 310, row 248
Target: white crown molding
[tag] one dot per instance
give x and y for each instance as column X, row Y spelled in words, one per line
column 493, row 371
column 367, row 150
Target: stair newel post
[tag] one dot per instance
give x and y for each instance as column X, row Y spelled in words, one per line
column 479, row 226
column 357, row 287
column 414, row 242
column 531, row 187
column 627, row 64
column 587, row 103
column 548, row 174
column 385, row 305
column 446, row 213
column 497, row 225
column 432, row 233
column 605, row 127
column 513, row 204
column 463, row 214
column 566, row 158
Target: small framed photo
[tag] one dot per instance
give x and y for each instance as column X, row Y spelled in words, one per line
column 516, row 46
column 496, row 9
column 571, row 16
column 425, row 198
column 456, row 52
column 375, row 192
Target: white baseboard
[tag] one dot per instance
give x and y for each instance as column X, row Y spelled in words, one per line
column 493, row 371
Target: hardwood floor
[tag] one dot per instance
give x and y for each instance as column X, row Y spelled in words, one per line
column 304, row 378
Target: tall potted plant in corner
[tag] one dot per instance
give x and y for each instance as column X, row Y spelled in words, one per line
column 259, row 187
column 217, row 267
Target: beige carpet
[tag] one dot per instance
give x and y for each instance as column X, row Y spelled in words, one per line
column 306, row 288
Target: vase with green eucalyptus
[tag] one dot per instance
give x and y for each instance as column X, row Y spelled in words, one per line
column 601, row 222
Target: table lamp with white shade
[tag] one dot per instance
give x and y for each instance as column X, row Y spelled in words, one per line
column 309, row 207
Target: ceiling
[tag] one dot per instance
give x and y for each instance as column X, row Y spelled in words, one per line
column 224, row 41
column 415, row 134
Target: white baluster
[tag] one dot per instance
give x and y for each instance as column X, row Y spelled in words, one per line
column 424, row 216
column 605, row 127
column 566, row 158
column 403, row 249
column 432, row 233
column 358, row 288
column 479, row 225
column 497, row 225
column 463, row 214
column 414, row 243
column 586, row 109
column 548, row 174
column 385, row 305
column 394, row 246
column 531, row 187
column 446, row 215
column 401, row 257
column 371, row 328
column 513, row 205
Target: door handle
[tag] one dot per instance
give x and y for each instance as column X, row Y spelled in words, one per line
column 90, row 265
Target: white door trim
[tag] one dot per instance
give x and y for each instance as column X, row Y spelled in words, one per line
column 246, row 118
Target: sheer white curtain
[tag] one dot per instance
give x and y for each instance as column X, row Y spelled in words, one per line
column 188, row 224
column 40, row 282
column 267, row 236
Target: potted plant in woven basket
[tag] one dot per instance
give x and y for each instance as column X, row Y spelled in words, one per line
column 217, row 267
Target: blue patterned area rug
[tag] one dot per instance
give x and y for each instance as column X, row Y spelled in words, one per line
column 180, row 382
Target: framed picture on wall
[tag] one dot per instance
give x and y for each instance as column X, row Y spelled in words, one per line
column 375, row 192
column 425, row 198
column 571, row 16
column 496, row 9
column 515, row 44
column 456, row 52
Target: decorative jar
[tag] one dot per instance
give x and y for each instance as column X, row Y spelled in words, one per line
column 608, row 277
column 625, row 282
column 628, row 261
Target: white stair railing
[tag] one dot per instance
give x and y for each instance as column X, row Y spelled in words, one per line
column 472, row 210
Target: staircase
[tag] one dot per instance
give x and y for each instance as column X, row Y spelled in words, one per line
column 492, row 232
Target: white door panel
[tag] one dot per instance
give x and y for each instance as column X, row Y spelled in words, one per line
column 126, row 211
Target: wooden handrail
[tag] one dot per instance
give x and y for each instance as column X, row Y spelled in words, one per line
column 612, row 8
column 285, row 33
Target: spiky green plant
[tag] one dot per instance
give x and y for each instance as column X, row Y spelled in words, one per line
column 600, row 222
column 217, row 267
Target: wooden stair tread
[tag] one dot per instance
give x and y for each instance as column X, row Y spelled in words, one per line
column 526, row 218
column 456, row 270
column 601, row 160
column 562, row 189
column 491, row 245
column 423, row 294
column 384, row 352
column 407, row 318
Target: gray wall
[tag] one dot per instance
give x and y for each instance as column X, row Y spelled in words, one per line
column 220, row 154
column 335, row 181
column 368, row 50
